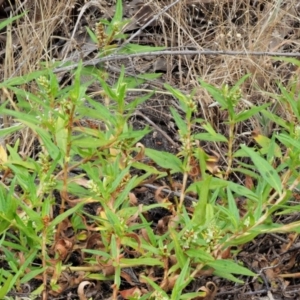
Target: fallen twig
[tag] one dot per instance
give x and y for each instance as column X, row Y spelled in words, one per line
column 153, row 187
column 156, row 127
column 95, row 61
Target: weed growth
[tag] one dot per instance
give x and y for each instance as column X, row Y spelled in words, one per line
column 74, row 195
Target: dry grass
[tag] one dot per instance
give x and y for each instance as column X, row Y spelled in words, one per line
column 232, row 26
column 32, row 38
column 215, row 25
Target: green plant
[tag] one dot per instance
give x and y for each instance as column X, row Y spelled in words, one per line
column 217, row 223
column 93, row 162
column 87, row 154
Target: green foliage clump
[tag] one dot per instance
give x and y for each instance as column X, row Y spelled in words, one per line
column 88, row 154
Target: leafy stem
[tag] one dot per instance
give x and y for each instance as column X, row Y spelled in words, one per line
column 230, row 147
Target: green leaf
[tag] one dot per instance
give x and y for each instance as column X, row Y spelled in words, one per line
column 245, row 238
column 135, row 48
column 98, row 276
column 78, row 88
column 154, row 250
column 214, row 136
column 6, row 131
column 246, row 172
column 61, row 135
column 288, row 141
column 118, row 16
column 200, row 208
column 229, row 276
column 265, row 169
column 230, row 267
column 202, row 157
column 247, row 114
column 215, row 93
column 179, row 95
column 241, row 190
column 98, row 112
column 209, row 214
column 117, row 278
column 113, row 247
column 23, row 117
column 281, row 122
column 108, row 90
column 97, row 252
column 89, row 142
column 210, row 138
column 195, row 295
column 165, row 160
column 155, row 287
column 215, row 183
column 291, row 60
column 240, row 153
column 6, row 287
column 8, row 204
column 274, row 150
column 54, row 85
column 92, row 35
column 135, row 262
column 202, row 255
column 32, row 274
column 150, row 233
column 27, row 260
column 266, row 144
column 20, row 163
column 207, row 126
column 181, row 124
column 234, row 211
column 10, row 20
column 178, row 248
column 138, row 101
column 64, row 215
column 181, row 281
column 149, row 169
column 289, row 96
column 52, row 149
column 124, row 194
column 239, row 83
column 23, row 79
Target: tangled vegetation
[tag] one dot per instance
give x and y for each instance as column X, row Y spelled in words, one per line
column 90, row 209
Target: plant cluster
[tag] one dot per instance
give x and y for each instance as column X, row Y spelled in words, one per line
column 88, row 155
